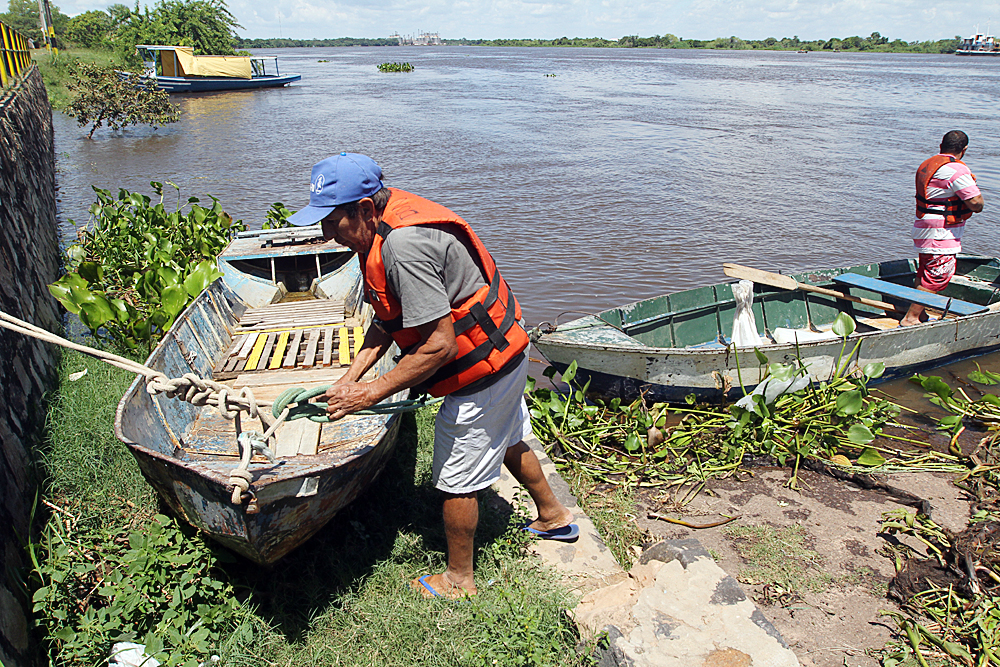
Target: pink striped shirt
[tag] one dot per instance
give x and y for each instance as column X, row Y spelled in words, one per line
column 930, row 236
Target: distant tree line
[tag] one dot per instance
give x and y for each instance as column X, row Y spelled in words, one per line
column 281, row 43
column 874, row 42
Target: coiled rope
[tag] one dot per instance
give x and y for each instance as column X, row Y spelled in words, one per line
column 292, row 404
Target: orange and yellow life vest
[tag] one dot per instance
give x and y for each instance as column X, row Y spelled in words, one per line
column 486, row 328
column 952, row 208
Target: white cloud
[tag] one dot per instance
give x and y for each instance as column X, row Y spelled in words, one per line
column 698, row 19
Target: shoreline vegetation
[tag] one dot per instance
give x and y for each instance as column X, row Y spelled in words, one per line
column 874, row 43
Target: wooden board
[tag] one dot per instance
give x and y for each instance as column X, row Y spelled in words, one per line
column 297, row 437
column 913, row 295
column 292, row 335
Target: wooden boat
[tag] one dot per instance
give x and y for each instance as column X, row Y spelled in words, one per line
column 671, row 346
column 248, row 330
column 176, row 69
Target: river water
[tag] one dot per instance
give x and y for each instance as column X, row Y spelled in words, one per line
column 630, row 173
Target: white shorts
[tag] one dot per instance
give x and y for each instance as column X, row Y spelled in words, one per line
column 472, row 433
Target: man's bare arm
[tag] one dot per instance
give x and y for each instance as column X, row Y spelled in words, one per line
column 437, row 347
column 975, row 204
column 377, row 343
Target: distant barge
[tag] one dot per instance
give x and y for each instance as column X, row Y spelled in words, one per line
column 979, row 45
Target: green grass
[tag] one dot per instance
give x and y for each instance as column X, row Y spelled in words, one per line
column 89, row 471
column 55, row 70
column 612, row 509
column 779, row 557
column 343, row 597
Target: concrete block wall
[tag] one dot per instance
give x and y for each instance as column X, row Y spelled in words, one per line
column 29, row 260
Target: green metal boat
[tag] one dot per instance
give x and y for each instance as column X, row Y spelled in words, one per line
column 674, row 345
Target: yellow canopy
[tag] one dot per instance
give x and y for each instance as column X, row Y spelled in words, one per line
column 191, row 65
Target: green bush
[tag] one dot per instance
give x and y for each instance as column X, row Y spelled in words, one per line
column 140, row 265
column 155, row 586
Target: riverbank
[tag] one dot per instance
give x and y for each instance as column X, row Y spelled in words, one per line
column 55, row 70
column 343, row 598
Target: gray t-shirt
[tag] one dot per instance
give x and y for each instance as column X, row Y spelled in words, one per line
column 429, row 268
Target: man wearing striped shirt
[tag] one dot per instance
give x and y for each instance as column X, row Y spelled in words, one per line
column 947, row 196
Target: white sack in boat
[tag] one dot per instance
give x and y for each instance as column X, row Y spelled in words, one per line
column 744, row 325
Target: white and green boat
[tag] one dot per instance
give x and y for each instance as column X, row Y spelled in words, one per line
column 674, row 345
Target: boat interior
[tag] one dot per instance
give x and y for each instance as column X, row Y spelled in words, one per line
column 703, row 317
column 301, row 330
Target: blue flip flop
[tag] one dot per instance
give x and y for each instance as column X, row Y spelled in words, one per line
column 423, row 582
column 566, row 533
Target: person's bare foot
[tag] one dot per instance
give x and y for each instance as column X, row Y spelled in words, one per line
column 444, row 586
column 551, row 523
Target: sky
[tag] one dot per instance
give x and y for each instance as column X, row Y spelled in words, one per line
column 910, row 20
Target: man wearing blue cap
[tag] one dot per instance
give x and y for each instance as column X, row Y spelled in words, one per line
column 438, row 295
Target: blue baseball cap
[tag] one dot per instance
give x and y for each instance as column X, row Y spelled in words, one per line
column 338, row 180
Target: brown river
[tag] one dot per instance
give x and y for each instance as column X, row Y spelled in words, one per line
column 630, row 173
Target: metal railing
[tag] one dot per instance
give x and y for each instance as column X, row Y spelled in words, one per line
column 15, row 57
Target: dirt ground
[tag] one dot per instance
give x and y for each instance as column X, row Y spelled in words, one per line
column 838, row 623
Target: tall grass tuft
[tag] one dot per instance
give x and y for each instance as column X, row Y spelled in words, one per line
column 87, row 469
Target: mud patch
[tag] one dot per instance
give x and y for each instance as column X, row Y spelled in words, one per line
column 838, row 623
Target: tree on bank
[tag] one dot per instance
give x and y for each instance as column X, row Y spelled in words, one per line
column 206, row 25
column 104, row 98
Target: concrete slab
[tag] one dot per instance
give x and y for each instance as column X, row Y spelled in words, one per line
column 587, row 563
column 675, row 608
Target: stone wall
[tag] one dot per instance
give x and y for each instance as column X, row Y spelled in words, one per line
column 29, row 260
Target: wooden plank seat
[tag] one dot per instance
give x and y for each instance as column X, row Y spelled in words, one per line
column 910, row 294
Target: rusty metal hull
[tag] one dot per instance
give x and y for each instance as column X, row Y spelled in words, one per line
column 293, row 497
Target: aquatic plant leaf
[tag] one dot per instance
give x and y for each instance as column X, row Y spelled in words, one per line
column 549, row 372
column 782, row 372
column 934, row 385
column 849, row 403
column 570, row 372
column 529, row 385
column 201, row 277
column 173, row 299
column 860, row 434
column 632, row 442
column 843, row 326
column 984, row 377
column 91, row 272
column 840, row 459
column 761, row 357
column 873, row 370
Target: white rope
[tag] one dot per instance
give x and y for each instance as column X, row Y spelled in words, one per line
column 191, row 388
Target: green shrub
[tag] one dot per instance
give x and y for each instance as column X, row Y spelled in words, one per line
column 139, row 265
column 156, row 586
column 105, row 98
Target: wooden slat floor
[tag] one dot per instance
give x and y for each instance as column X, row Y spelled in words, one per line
column 294, row 344
column 294, row 335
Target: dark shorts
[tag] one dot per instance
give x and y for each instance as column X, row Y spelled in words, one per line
column 934, row 272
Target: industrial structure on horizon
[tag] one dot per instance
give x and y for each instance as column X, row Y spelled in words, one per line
column 421, row 39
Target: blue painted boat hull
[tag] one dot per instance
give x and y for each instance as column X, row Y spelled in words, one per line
column 176, row 84
column 292, row 498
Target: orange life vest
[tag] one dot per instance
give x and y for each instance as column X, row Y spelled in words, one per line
column 954, row 210
column 486, row 328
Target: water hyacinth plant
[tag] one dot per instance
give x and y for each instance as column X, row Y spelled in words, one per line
column 395, row 67
column 138, row 265
column 790, row 418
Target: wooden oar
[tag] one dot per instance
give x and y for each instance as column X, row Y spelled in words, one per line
column 789, row 283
